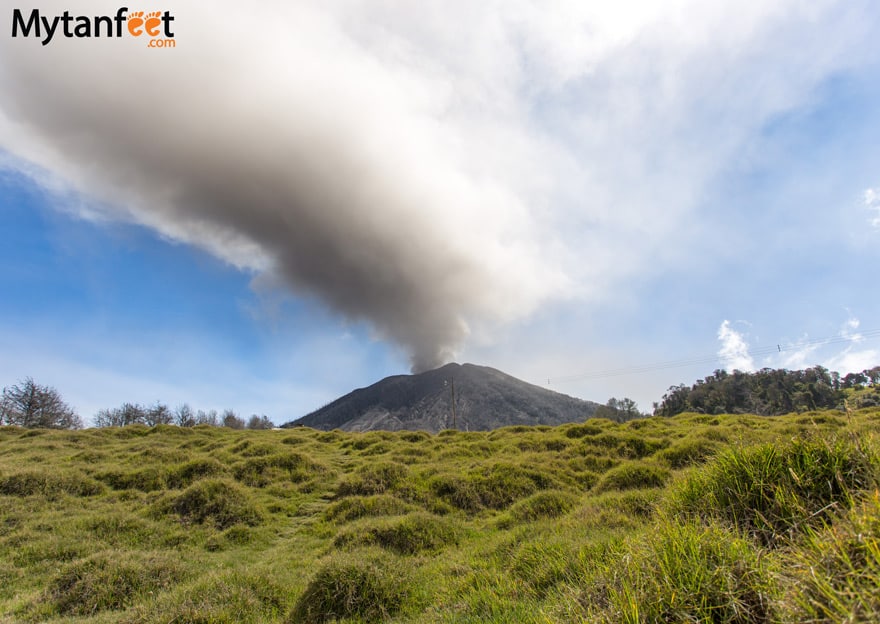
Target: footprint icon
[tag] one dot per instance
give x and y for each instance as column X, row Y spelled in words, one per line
column 135, row 21
column 152, row 23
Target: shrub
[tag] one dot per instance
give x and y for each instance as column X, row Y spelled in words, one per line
column 772, row 491
column 109, row 581
column 218, row 501
column 365, row 588
column 631, row 475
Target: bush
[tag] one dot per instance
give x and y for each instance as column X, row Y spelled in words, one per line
column 631, row 475
column 773, row 491
column 218, row 501
column 364, row 588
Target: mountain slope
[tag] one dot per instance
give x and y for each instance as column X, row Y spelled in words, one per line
column 485, row 399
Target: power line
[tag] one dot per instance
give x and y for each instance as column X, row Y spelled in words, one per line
column 711, row 359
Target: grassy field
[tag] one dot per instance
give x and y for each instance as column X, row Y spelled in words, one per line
column 687, row 519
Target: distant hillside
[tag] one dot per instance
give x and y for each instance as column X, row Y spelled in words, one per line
column 485, row 399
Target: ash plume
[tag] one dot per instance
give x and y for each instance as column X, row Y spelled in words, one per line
column 292, row 154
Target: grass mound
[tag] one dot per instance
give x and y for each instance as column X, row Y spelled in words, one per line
column 363, row 588
column 222, row 598
column 376, row 478
column 631, row 476
column 494, row 486
column 218, row 501
column 409, row 535
column 835, row 576
column 185, row 474
column 687, row 452
column 110, row 581
column 261, row 470
column 773, row 491
column 354, row 507
column 546, row 504
column 50, row 484
column 683, row 573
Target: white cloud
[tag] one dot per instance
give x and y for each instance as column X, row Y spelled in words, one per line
column 872, row 202
column 734, row 351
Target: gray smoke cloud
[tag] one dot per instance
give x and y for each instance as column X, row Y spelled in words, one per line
column 282, row 143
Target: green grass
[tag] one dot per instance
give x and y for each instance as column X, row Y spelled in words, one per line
column 696, row 518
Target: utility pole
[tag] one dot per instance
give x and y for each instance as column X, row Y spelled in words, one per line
column 452, row 387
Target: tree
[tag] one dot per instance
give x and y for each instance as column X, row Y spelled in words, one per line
column 31, row 405
column 159, row 414
column 260, row 422
column 183, row 416
column 127, row 414
column 618, row 410
column 231, row 420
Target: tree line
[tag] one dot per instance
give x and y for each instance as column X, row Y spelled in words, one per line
column 34, row 406
column 770, row 392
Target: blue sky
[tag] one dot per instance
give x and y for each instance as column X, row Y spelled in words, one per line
column 280, row 210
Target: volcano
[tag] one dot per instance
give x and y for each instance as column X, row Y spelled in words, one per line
column 455, row 396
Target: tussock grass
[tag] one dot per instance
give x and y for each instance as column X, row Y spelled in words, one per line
column 363, row 586
column 228, row 597
column 546, row 504
column 682, row 572
column 632, row 475
column 220, row 502
column 774, row 490
column 834, row 576
column 108, row 581
column 687, row 452
column 696, row 518
column 354, row 507
column 415, row 533
column 374, row 478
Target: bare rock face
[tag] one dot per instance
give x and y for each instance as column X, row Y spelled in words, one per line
column 484, row 399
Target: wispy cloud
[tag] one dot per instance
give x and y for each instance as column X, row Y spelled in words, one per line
column 734, row 351
column 872, row 202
